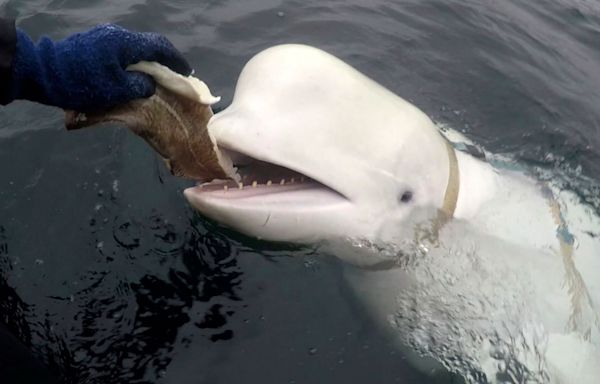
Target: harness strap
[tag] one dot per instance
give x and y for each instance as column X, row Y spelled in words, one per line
column 444, row 215
column 453, row 187
column 580, row 296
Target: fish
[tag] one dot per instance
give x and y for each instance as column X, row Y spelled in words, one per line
column 173, row 121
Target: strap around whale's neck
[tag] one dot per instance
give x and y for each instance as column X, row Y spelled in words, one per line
column 431, row 231
column 451, row 196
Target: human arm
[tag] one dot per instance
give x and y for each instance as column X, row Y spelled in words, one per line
column 85, row 71
column 8, row 42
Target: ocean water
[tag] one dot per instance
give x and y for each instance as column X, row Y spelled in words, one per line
column 109, row 276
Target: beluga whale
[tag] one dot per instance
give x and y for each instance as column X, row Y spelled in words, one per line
column 472, row 265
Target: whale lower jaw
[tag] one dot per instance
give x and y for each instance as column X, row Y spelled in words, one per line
column 277, row 213
column 301, row 195
column 262, row 183
column 271, row 202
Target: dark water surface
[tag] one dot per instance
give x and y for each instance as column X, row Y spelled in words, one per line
column 110, row 277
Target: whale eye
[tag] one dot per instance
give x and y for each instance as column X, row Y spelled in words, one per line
column 406, row 197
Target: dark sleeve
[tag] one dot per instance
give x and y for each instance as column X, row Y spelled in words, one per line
column 8, row 43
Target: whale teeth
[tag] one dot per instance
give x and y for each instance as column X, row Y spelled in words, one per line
column 302, row 179
column 240, row 185
column 254, row 184
column 292, row 180
column 282, row 182
column 269, row 183
column 225, row 188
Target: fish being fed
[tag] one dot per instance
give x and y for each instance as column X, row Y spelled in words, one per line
column 173, row 122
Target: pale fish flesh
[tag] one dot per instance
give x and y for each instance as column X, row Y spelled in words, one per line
column 173, row 121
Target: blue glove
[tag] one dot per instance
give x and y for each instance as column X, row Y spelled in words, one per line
column 86, row 71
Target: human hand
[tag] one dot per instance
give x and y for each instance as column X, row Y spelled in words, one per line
column 87, row 71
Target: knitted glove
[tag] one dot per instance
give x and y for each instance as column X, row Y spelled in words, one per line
column 86, row 71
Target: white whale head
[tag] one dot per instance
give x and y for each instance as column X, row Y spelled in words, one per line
column 352, row 155
column 368, row 158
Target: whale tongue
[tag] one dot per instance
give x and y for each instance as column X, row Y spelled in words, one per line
column 173, row 122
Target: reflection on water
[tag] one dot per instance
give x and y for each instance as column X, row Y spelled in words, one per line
column 98, row 284
column 12, row 313
column 124, row 329
column 129, row 336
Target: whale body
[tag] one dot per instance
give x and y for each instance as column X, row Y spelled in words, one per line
column 474, row 267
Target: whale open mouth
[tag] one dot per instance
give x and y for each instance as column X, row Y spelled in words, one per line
column 267, row 182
